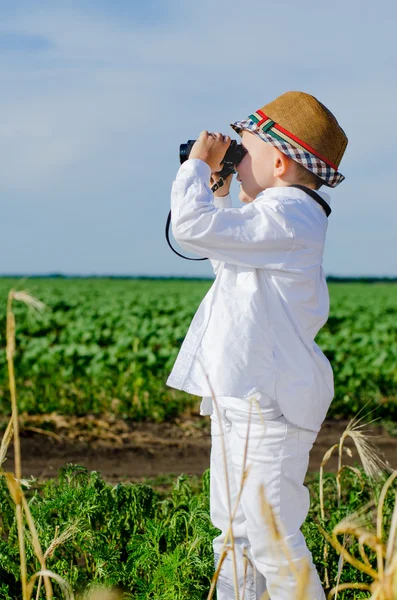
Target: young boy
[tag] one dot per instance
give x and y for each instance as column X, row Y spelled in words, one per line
column 252, row 336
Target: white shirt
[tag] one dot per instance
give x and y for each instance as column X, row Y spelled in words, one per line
column 254, row 330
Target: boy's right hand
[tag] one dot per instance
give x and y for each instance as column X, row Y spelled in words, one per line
column 224, row 190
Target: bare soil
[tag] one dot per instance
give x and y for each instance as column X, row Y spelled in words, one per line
column 129, row 451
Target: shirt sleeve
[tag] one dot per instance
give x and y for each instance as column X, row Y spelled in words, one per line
column 220, row 202
column 256, row 235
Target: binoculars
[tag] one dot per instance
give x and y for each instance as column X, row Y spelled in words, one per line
column 234, row 155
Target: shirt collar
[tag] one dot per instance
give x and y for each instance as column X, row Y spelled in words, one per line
column 291, row 192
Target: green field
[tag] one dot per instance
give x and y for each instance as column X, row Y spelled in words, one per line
column 153, row 546
column 108, row 345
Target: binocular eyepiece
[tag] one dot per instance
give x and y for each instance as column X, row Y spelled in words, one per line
column 234, row 155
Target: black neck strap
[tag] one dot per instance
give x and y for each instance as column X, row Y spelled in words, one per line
column 309, row 191
column 315, row 197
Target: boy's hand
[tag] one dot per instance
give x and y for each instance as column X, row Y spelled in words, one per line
column 211, row 148
column 224, row 190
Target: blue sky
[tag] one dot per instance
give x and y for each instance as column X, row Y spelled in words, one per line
column 97, row 97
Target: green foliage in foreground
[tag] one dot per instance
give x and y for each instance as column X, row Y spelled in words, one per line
column 149, row 545
column 109, row 345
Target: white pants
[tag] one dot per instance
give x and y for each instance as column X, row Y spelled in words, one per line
column 278, row 453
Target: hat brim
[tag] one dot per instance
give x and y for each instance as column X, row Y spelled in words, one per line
column 318, row 167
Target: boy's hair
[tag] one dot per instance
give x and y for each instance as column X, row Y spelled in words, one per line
column 303, row 176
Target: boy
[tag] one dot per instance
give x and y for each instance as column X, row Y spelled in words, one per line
column 252, row 336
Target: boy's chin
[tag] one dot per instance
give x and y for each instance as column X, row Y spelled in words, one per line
column 243, row 197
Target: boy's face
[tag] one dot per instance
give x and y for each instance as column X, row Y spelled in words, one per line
column 261, row 166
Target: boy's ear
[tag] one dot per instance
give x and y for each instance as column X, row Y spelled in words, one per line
column 281, row 157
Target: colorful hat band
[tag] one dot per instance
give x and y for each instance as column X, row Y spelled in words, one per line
column 291, row 145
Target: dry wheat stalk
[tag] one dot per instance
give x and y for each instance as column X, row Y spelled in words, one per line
column 14, row 480
column 384, row 578
column 375, row 466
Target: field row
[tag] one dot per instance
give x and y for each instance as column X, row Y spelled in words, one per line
column 108, row 345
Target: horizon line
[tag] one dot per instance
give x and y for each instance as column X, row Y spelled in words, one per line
column 56, row 275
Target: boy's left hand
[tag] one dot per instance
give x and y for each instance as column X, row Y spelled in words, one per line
column 211, row 148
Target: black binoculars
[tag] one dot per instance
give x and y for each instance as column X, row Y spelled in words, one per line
column 234, row 155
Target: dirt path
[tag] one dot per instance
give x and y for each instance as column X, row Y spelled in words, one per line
column 135, row 451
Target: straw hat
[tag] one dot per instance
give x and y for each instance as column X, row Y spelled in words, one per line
column 301, row 127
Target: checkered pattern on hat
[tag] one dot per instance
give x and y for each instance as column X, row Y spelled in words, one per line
column 290, row 145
